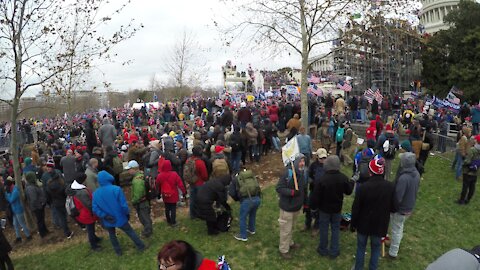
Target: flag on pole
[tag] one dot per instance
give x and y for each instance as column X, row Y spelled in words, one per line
column 452, row 98
column 378, row 96
column 345, row 86
column 456, row 91
column 313, row 88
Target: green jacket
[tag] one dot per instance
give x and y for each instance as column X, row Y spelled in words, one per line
column 473, row 154
column 138, row 188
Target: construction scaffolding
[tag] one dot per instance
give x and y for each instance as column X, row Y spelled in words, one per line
column 382, row 55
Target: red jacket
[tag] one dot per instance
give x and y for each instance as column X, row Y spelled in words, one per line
column 201, row 171
column 273, row 113
column 371, row 132
column 132, row 138
column 86, row 216
column 208, row 265
column 169, row 177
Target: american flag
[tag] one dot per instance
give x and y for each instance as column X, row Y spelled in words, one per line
column 312, row 88
column 345, row 86
column 370, row 95
column 452, row 98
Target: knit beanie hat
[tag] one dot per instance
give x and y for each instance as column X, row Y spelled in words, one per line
column 377, row 165
column 477, row 139
column 332, row 163
column 406, row 145
column 28, row 161
column 50, row 163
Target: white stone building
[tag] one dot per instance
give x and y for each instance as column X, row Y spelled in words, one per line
column 433, row 12
column 322, row 63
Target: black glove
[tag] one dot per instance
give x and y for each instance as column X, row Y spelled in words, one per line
column 128, row 217
column 109, row 219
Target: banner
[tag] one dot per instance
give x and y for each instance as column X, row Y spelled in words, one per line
column 292, row 90
column 442, row 103
column 290, row 151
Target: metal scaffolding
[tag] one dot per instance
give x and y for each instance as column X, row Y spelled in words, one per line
column 383, row 55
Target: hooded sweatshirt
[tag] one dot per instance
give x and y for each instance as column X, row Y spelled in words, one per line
column 292, row 200
column 83, row 202
column 109, row 200
column 371, row 132
column 168, row 179
column 407, row 183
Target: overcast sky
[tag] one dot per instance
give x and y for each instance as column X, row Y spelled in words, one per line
column 164, row 22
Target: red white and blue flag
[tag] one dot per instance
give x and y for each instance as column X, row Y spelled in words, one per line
column 345, row 86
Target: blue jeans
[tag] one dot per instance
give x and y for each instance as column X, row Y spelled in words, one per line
column 375, row 244
column 324, row 220
column 19, row 221
column 130, row 232
column 353, row 116
column 236, row 158
column 363, row 115
column 192, row 199
column 276, row 143
column 248, row 208
column 92, row 237
column 458, row 165
column 61, row 213
column 255, row 152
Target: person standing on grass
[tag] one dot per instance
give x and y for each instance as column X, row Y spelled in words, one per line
column 5, row 248
column 327, row 197
column 470, row 172
column 245, row 188
column 371, row 210
column 110, row 205
column 56, row 196
column 406, row 189
column 315, row 171
column 82, row 197
column 387, row 145
column 36, row 201
column 139, row 197
column 200, row 176
column 291, row 202
column 12, row 194
column 169, row 182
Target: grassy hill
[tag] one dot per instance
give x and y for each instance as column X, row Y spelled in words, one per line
column 437, row 225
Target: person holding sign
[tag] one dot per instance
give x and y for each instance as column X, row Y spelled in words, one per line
column 292, row 190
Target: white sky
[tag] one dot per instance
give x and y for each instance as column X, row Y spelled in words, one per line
column 164, row 22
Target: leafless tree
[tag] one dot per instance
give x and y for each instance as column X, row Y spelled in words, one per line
column 184, row 63
column 40, row 43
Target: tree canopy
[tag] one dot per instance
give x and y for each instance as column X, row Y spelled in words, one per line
column 450, row 57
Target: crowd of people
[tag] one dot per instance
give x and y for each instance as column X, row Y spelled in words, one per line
column 198, row 151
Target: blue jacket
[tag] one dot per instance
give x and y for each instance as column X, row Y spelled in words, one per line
column 475, row 115
column 109, row 200
column 14, row 199
column 304, row 144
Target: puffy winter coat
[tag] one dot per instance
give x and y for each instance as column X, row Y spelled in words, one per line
column 215, row 190
column 273, row 113
column 13, row 197
column 82, row 197
column 109, row 200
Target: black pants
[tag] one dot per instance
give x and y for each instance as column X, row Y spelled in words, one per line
column 143, row 213
column 5, row 261
column 171, row 213
column 212, row 227
column 40, row 218
column 311, row 218
column 469, row 182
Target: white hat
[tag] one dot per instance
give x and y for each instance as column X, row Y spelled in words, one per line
column 243, row 104
column 386, row 145
column 132, row 164
column 124, row 148
column 321, row 153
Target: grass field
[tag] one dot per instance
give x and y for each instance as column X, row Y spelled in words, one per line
column 438, row 224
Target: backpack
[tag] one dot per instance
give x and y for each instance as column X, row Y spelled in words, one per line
column 475, row 163
column 363, row 169
column 167, row 191
column 392, row 149
column 248, row 184
column 70, row 207
column 190, row 172
column 151, row 190
column 117, row 165
column 224, row 217
column 220, row 168
column 339, row 135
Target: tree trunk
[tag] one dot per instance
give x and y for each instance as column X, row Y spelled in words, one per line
column 304, row 84
column 16, row 164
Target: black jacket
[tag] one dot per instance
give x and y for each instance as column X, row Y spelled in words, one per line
column 292, row 200
column 5, row 247
column 56, row 192
column 374, row 201
column 214, row 190
column 327, row 196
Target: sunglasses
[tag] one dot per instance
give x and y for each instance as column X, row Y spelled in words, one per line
column 162, row 266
